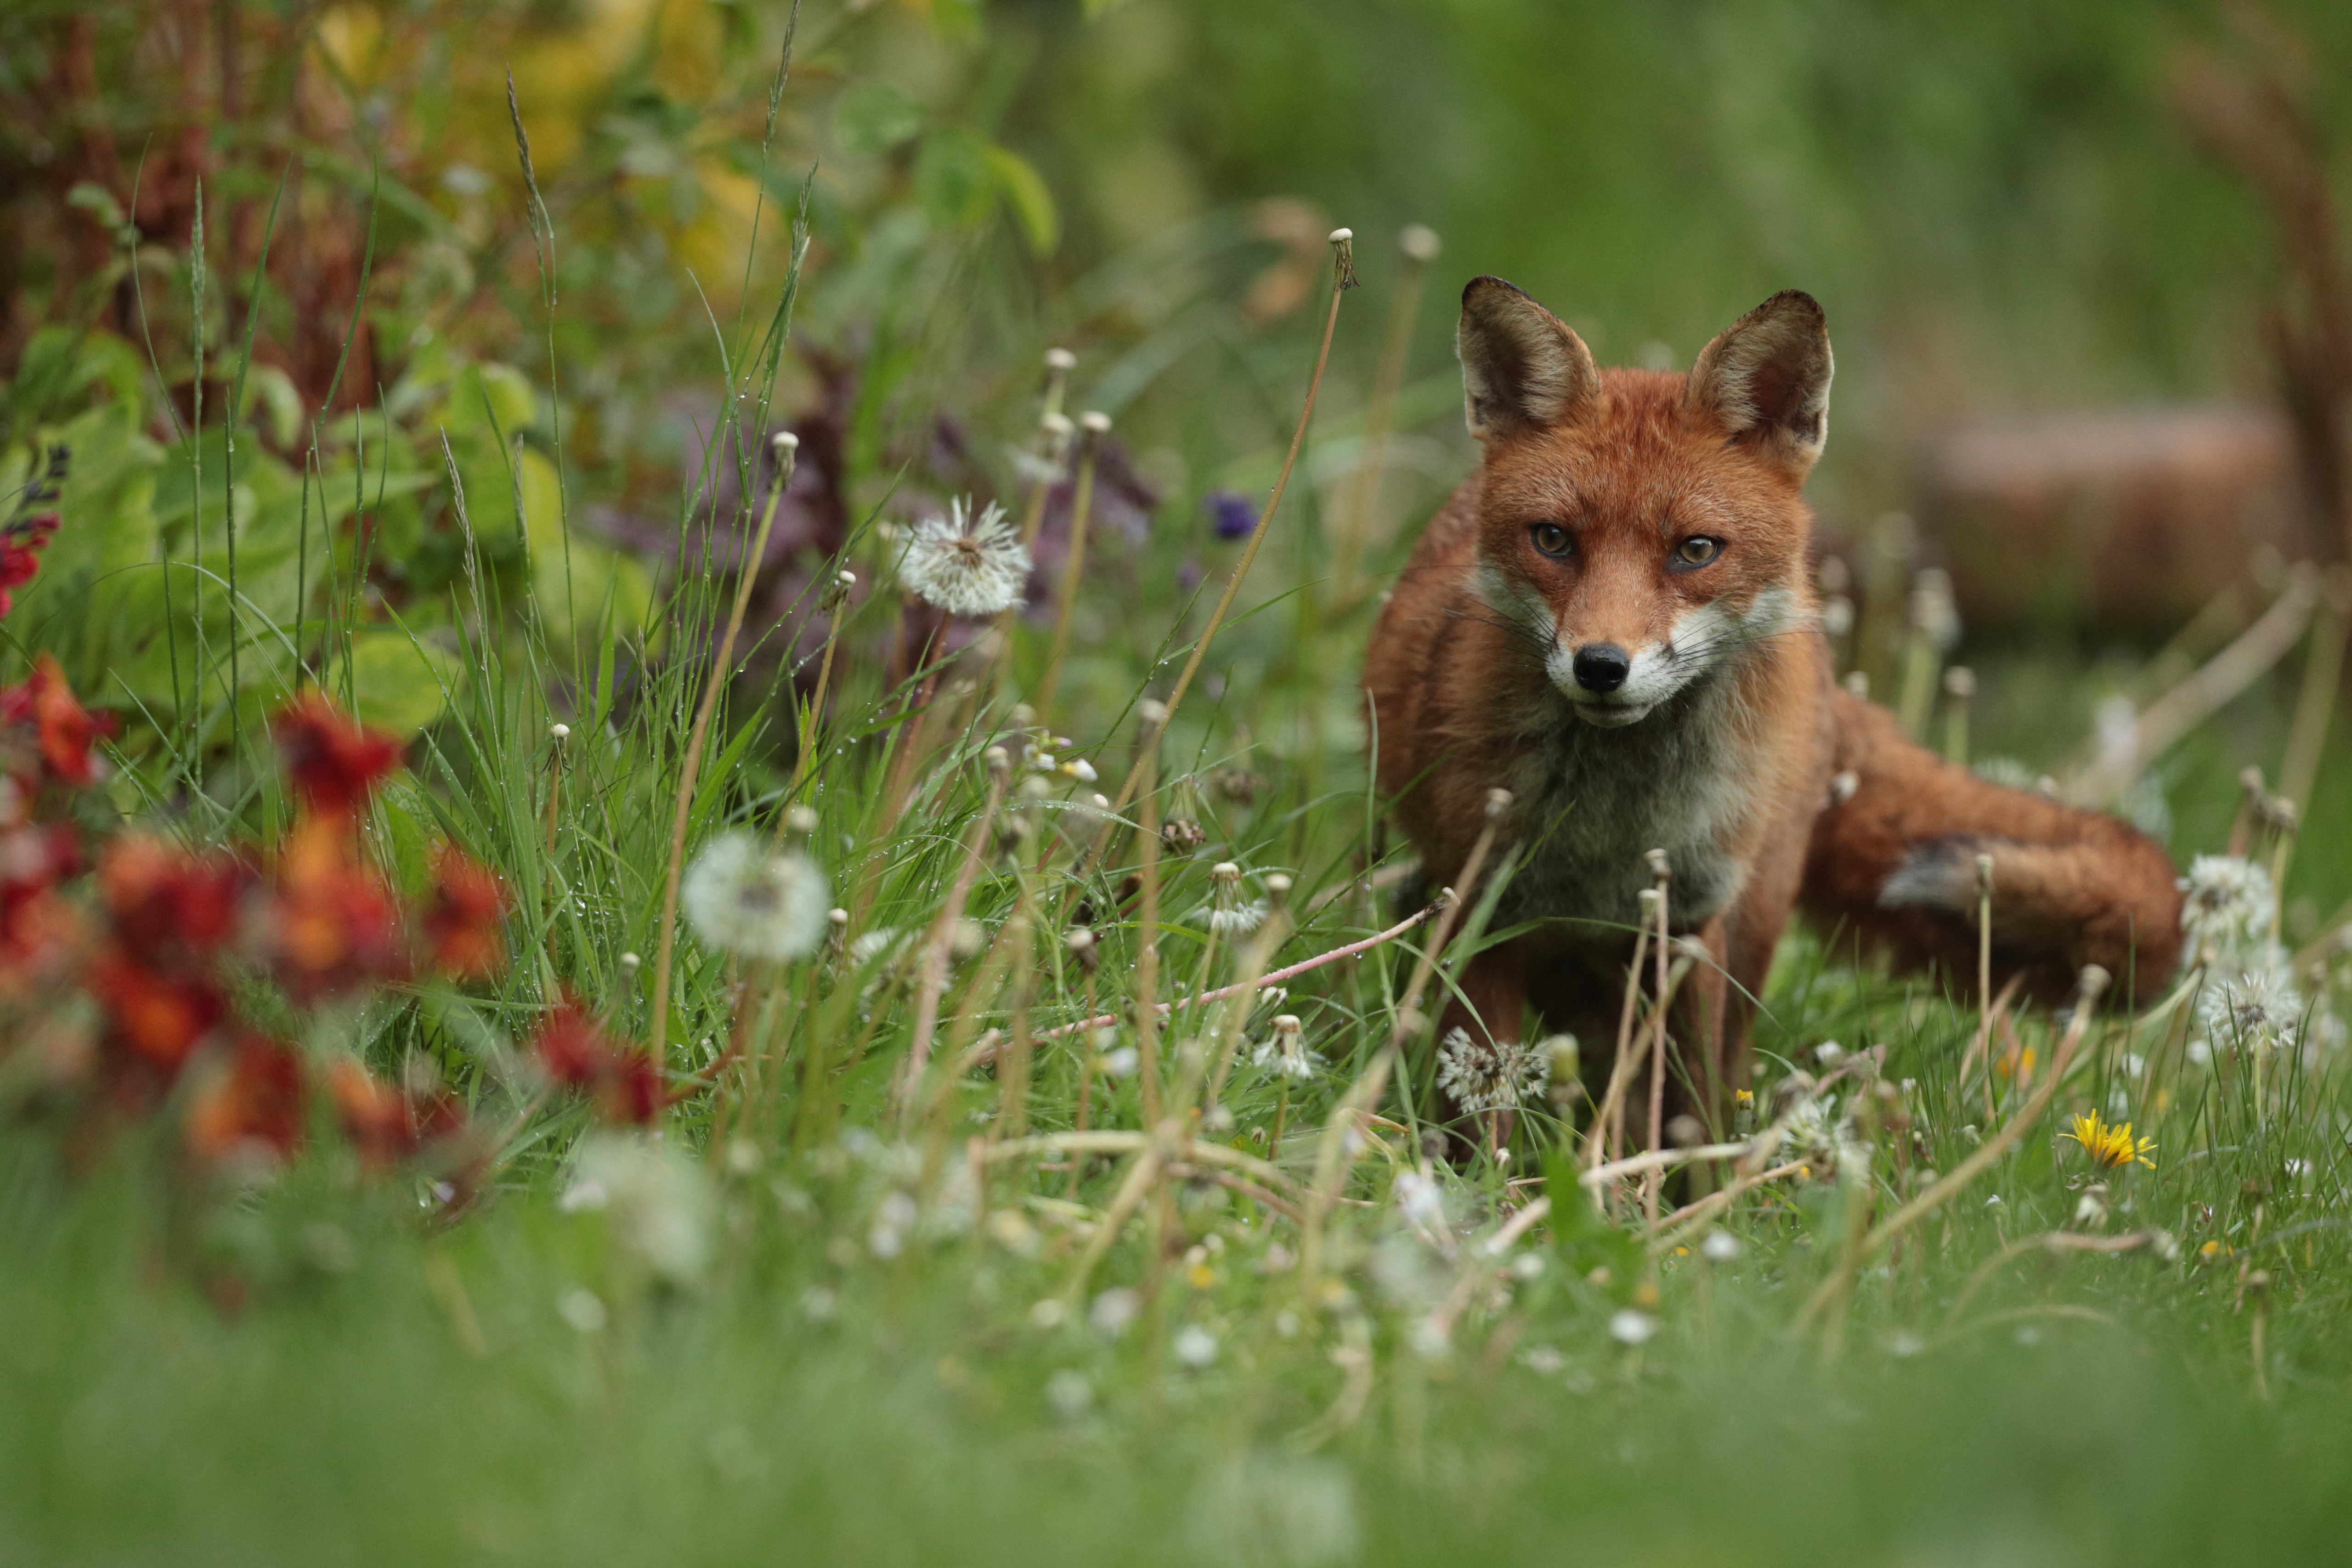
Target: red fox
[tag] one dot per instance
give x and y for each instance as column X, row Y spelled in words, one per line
column 1614, row 620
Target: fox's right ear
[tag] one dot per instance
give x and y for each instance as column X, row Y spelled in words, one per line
column 1522, row 369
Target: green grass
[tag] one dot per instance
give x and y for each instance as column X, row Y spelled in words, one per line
column 323, row 1364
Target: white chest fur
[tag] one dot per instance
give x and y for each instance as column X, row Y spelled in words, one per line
column 1589, row 803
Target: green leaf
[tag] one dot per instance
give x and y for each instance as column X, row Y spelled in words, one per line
column 1032, row 203
column 952, row 178
column 871, row 118
column 396, row 684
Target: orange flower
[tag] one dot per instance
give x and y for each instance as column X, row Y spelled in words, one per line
column 163, row 897
column 462, row 924
column 64, row 729
column 331, row 922
column 386, row 1125
column 336, row 761
column 36, row 927
column 255, row 1104
column 160, row 1018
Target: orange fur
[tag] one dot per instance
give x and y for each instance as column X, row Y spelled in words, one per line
column 1613, row 619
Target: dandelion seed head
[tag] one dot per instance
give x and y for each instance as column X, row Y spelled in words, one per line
column 966, row 565
column 742, row 900
column 1282, row 1054
column 1484, row 1075
column 2258, row 1005
column 2229, row 905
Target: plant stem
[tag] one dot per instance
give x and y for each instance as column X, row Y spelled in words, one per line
column 690, row 767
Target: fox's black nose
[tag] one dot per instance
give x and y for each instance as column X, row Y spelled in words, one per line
column 1602, row 667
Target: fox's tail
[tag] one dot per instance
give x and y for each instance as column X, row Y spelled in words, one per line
column 1892, row 865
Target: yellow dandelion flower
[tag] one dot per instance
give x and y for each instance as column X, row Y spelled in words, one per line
column 2110, row 1146
column 1747, row 1097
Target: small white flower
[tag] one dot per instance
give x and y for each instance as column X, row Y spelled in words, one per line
column 1120, row 1062
column 1719, row 1247
column 1282, row 1055
column 1080, row 769
column 741, row 898
column 1420, row 1201
column 964, row 565
column 581, row 1308
column 1194, row 1346
column 1070, row 1392
column 1630, row 1327
column 1489, row 1076
column 1113, row 1310
column 657, row 1202
column 2229, row 906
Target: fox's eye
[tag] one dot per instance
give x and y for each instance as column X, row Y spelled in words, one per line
column 1697, row 550
column 1553, row 540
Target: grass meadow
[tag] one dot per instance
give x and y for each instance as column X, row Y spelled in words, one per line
column 688, row 1079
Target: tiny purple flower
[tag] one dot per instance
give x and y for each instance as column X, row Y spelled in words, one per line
column 1233, row 514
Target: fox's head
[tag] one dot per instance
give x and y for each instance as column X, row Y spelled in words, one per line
column 1642, row 527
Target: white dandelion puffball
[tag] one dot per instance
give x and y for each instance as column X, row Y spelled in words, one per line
column 2229, row 905
column 966, row 565
column 743, row 899
column 2259, row 1006
column 1284, row 1055
column 1489, row 1076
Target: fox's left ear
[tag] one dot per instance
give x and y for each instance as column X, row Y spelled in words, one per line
column 1768, row 379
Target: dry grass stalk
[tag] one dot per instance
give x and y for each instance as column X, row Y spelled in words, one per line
column 784, row 446
column 1420, row 246
column 1095, row 427
column 1332, row 1156
column 931, row 974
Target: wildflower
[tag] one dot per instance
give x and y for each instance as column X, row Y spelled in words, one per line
column 21, row 543
column 2258, row 1005
column 251, row 1107
column 335, row 762
column 2110, row 1146
column 966, row 566
column 1231, row 514
column 577, row 1054
column 1719, row 1247
column 1633, row 1327
column 743, row 899
column 1194, row 1346
column 62, row 730
column 462, row 923
column 386, row 1125
column 1489, row 1075
column 1282, row 1055
column 2229, row 905
column 159, row 1019
column 332, row 923
column 1228, row 915
column 164, row 900
column 582, row 1308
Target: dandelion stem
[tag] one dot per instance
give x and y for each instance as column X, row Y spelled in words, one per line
column 1073, row 563
column 932, row 972
column 1420, row 248
column 785, row 445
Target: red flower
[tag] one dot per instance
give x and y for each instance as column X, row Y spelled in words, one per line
column 160, row 1018
column 255, row 1104
column 386, row 1125
column 336, row 761
column 462, row 924
column 35, row 925
column 577, row 1054
column 20, row 547
column 331, row 922
column 163, row 899
column 64, row 729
